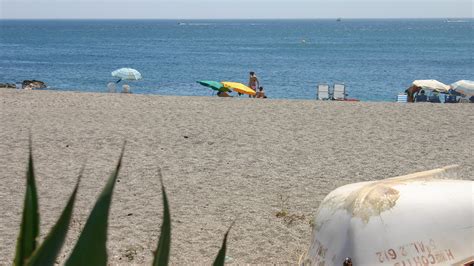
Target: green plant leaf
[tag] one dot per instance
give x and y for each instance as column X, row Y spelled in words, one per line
column 91, row 248
column 220, row 259
column 29, row 228
column 162, row 252
column 48, row 251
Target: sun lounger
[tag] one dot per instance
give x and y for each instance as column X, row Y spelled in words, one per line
column 323, row 92
column 339, row 93
column 402, row 98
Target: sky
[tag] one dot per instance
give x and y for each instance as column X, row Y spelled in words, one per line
column 234, row 9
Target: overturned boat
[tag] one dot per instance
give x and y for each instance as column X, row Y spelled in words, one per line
column 425, row 218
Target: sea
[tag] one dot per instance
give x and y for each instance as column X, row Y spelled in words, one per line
column 375, row 58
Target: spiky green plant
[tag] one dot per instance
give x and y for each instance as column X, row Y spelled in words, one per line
column 162, row 253
column 90, row 248
column 29, row 229
column 220, row 259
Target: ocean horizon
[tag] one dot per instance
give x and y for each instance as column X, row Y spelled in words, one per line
column 375, row 58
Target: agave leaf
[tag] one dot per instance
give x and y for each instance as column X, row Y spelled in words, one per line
column 29, row 228
column 220, row 259
column 90, row 248
column 162, row 252
column 48, row 251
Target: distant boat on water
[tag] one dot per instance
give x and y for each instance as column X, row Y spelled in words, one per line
column 338, row 19
column 449, row 20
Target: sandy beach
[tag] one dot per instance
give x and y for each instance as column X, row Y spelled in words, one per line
column 222, row 160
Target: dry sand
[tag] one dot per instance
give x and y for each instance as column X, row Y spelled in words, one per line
column 222, row 160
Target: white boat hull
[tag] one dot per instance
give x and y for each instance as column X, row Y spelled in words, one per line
column 411, row 220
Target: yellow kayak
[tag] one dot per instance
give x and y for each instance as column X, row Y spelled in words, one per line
column 239, row 87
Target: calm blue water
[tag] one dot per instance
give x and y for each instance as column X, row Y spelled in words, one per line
column 375, row 58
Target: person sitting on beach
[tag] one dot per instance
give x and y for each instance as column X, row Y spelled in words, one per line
column 253, row 82
column 261, row 93
column 450, row 98
column 434, row 98
column 421, row 97
column 223, row 94
column 126, row 88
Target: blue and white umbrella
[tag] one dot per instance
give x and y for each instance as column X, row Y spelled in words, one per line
column 465, row 87
column 431, row 84
column 127, row 74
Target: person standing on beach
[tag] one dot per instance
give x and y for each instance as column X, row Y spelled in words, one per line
column 253, row 82
column 411, row 93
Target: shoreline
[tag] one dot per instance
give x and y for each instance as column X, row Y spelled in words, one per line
column 198, row 96
column 222, row 160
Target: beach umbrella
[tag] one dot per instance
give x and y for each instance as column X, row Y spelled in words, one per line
column 215, row 85
column 465, row 87
column 239, row 87
column 127, row 74
column 431, row 84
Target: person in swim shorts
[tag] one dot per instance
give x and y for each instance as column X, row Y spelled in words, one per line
column 253, row 82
